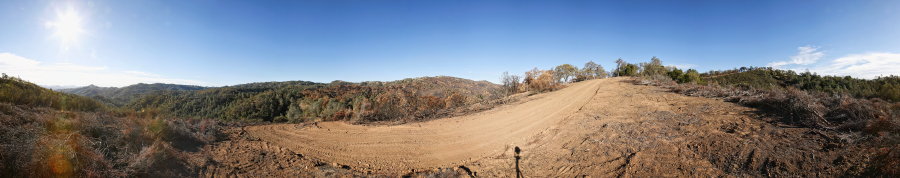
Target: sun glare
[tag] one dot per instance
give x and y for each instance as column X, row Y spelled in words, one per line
column 67, row 27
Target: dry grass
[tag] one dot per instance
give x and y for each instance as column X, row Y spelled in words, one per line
column 801, row 108
column 44, row 142
column 876, row 120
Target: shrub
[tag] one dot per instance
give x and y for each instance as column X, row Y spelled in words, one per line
column 66, row 154
column 544, row 82
column 691, row 76
column 159, row 160
column 653, row 68
column 878, row 119
column 765, row 78
column 44, row 142
column 888, row 91
column 455, row 100
column 802, row 108
column 626, row 69
column 657, row 80
column 794, row 106
column 675, row 74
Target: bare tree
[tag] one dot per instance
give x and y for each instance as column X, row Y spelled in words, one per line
column 510, row 82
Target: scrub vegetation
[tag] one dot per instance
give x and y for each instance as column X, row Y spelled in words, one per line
column 44, row 133
column 161, row 129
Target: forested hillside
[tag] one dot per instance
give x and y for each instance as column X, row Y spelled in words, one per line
column 121, row 96
column 296, row 101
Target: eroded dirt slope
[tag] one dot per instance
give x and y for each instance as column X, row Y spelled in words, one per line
column 606, row 127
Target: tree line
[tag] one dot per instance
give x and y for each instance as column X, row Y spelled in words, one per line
column 885, row 87
column 655, row 69
column 537, row 80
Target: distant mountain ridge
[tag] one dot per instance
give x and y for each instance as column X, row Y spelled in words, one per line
column 60, row 87
column 124, row 95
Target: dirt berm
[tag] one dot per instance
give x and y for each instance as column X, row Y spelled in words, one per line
column 604, row 127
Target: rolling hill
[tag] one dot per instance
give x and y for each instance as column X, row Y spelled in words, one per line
column 120, row 96
column 17, row 91
column 298, row 101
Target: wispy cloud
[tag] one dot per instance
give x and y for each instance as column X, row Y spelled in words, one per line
column 805, row 55
column 683, row 66
column 866, row 65
column 68, row 74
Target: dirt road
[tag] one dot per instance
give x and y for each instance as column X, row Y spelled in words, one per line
column 438, row 143
column 606, row 127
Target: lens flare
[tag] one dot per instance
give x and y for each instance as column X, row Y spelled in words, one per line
column 67, row 27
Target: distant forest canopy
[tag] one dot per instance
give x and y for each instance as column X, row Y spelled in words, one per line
column 290, row 101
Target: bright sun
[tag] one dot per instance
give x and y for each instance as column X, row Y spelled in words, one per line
column 67, row 27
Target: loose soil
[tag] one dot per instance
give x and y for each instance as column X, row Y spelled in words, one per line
column 604, row 128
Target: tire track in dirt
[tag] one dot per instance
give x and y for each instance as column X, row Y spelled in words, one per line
column 439, row 143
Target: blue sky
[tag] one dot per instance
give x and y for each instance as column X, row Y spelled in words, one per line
column 215, row 43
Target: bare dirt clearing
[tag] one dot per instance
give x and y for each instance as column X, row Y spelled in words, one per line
column 438, row 143
column 606, row 127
